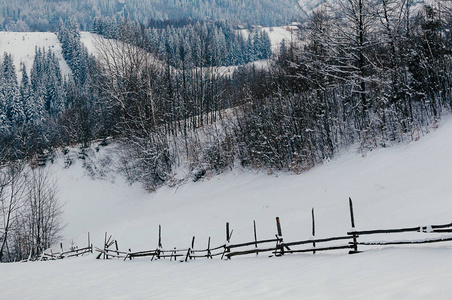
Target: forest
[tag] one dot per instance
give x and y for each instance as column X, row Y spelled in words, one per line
column 44, row 15
column 360, row 72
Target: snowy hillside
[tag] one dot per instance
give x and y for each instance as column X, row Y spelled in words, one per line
column 404, row 185
column 22, row 46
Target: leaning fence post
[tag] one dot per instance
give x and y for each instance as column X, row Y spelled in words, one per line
column 313, row 229
column 188, row 255
column 352, row 218
column 117, row 248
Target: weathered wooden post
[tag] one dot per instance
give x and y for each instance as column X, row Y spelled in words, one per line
column 313, row 229
column 278, row 227
column 188, row 255
column 160, row 236
column 279, row 236
column 89, row 244
column 228, row 240
column 255, row 236
column 105, row 245
column 352, row 218
column 192, row 246
column 117, row 248
column 209, row 254
column 228, row 235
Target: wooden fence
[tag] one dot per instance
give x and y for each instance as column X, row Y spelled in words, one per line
column 275, row 246
column 72, row 252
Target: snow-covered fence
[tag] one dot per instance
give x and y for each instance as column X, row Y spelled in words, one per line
column 278, row 246
column 282, row 247
column 355, row 234
column 106, row 252
column 73, row 252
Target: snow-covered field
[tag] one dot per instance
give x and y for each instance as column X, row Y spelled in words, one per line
column 276, row 35
column 22, row 46
column 404, row 185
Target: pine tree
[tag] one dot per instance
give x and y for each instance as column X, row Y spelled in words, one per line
column 10, row 91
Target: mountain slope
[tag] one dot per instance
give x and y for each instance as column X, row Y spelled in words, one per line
column 400, row 186
column 405, row 185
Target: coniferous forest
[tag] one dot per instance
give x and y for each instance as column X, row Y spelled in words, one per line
column 373, row 73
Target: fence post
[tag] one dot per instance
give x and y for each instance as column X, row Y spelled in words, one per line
column 279, row 237
column 209, row 254
column 228, row 239
column 160, row 236
column 313, row 229
column 255, row 236
column 352, row 218
column 105, row 244
column 228, row 234
column 192, row 246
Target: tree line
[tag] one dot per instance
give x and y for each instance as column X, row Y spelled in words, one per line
column 191, row 44
column 43, row 15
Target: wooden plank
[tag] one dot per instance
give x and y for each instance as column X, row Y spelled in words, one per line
column 441, row 231
column 116, row 251
column 436, row 228
column 251, row 251
column 253, row 243
column 318, row 240
column 320, row 249
column 379, row 231
column 429, row 241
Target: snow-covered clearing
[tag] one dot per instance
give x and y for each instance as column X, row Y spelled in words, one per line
column 22, row 46
column 404, row 185
column 276, row 35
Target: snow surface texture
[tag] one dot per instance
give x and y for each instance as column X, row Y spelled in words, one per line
column 22, row 47
column 405, row 185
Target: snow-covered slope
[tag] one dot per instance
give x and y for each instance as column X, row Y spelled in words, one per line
column 399, row 186
column 22, row 46
column 405, row 185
